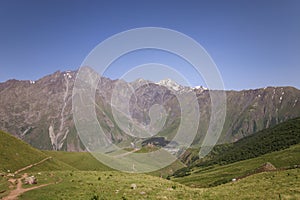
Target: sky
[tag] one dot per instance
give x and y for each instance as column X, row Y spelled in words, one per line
column 254, row 44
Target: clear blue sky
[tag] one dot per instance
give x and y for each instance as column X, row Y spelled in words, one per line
column 254, row 43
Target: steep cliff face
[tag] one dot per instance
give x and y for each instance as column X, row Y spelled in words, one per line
column 40, row 112
column 252, row 110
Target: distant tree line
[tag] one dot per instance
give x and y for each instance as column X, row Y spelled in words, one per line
column 266, row 141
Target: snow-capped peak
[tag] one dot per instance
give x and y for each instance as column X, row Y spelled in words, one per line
column 200, row 87
column 170, row 84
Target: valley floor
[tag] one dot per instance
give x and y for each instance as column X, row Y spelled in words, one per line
column 116, row 185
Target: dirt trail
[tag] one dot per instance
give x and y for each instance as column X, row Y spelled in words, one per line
column 125, row 154
column 32, row 165
column 19, row 190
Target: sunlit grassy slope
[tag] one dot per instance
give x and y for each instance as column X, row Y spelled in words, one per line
column 80, row 160
column 110, row 185
column 267, row 185
column 16, row 154
column 70, row 177
column 265, row 141
column 116, row 185
column 218, row 174
column 277, row 138
column 86, row 162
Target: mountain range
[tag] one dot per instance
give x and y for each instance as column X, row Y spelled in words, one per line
column 40, row 112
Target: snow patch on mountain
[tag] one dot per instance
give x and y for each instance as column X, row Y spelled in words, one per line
column 200, row 87
column 68, row 74
column 295, row 102
column 170, row 84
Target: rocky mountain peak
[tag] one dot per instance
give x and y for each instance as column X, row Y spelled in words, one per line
column 40, row 112
column 170, row 84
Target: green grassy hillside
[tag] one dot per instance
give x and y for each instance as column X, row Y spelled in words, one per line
column 109, row 185
column 219, row 174
column 72, row 183
column 16, row 154
column 166, row 171
column 267, row 185
column 80, row 160
column 116, row 185
column 266, row 141
column 84, row 161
